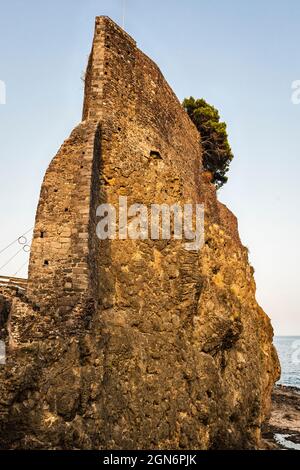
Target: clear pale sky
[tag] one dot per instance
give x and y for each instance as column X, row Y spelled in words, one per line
column 241, row 56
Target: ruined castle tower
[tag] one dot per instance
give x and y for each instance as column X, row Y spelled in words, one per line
column 133, row 343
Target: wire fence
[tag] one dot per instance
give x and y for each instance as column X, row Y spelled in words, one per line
column 14, row 256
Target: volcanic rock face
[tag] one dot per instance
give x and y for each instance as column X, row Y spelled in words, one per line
column 132, row 343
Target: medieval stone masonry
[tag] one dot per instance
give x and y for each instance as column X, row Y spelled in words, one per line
column 132, row 344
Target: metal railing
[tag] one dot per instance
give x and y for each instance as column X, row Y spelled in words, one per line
column 10, row 281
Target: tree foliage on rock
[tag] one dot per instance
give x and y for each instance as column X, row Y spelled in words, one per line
column 217, row 153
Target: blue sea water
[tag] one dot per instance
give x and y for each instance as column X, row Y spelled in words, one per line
column 288, row 349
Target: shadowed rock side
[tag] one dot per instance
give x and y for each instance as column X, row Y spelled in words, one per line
column 132, row 343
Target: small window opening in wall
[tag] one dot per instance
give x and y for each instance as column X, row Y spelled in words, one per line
column 46, row 262
column 42, row 234
column 55, row 190
column 155, row 154
column 119, row 128
column 66, row 209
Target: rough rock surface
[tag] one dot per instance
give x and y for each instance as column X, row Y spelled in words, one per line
column 132, row 343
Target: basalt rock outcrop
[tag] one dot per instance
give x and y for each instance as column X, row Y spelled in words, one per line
column 130, row 344
column 282, row 431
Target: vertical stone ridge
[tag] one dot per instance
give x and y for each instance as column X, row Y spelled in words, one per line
column 99, row 65
column 59, row 267
column 64, row 254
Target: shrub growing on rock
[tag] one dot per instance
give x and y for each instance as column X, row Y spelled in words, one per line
column 217, row 153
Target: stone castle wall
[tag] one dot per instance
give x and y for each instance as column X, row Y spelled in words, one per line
column 125, row 344
column 60, row 270
column 128, row 98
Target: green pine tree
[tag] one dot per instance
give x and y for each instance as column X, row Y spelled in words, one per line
column 217, row 153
